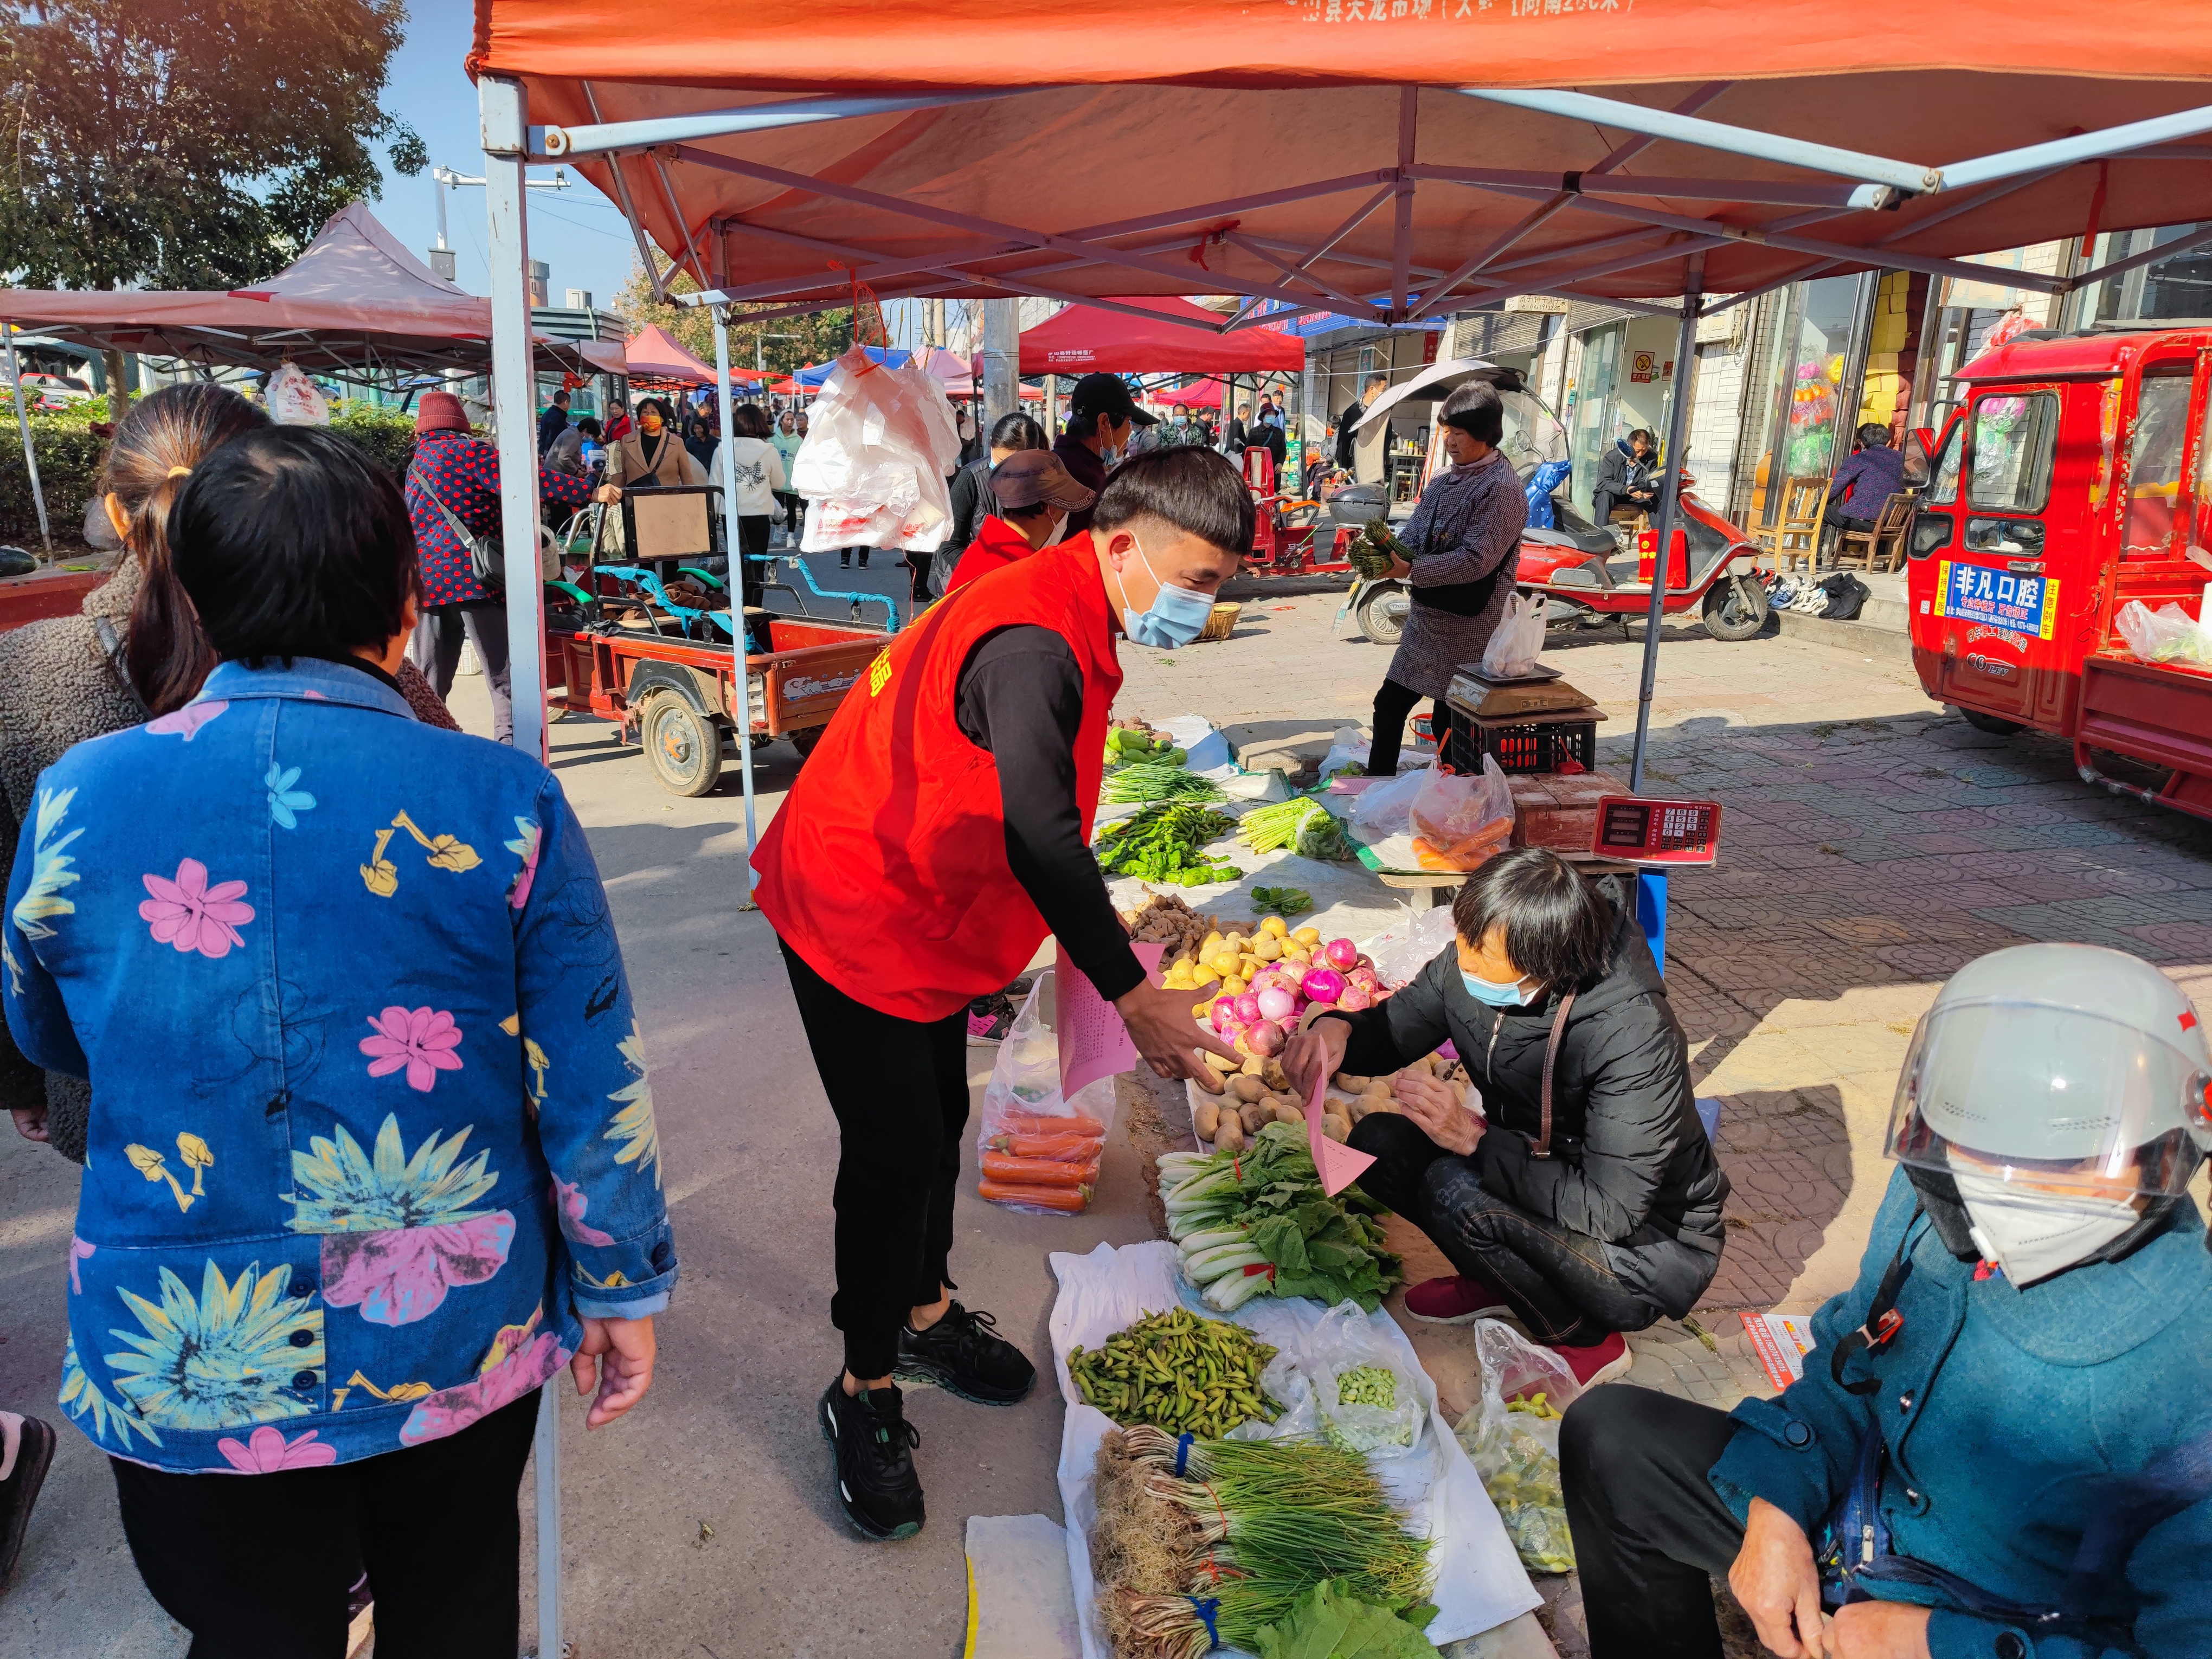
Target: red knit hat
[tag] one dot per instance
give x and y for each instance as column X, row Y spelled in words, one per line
column 440, row 411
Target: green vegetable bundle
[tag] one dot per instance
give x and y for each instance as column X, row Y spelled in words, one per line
column 1282, row 901
column 1304, row 825
column 1374, row 549
column 1253, row 1526
column 1160, row 842
column 1177, row 1372
column 1158, row 779
column 1257, row 1222
column 1126, row 744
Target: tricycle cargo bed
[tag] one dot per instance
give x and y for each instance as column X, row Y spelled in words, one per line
column 794, row 687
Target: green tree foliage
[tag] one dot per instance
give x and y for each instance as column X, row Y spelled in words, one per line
column 185, row 146
column 817, row 339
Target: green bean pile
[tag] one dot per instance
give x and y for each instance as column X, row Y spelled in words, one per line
column 1177, row 1372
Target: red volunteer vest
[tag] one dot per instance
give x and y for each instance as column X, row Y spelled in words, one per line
column 997, row 544
column 886, row 868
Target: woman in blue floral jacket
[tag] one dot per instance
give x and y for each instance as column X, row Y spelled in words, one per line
column 373, row 1152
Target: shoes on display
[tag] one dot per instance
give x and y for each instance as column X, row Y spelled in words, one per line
column 872, row 1445
column 1600, row 1362
column 1456, row 1299
column 964, row 1353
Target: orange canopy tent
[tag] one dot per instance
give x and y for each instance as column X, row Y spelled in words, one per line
column 655, row 355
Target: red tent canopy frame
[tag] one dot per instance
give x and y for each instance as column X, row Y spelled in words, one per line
column 1388, row 167
column 654, row 355
column 1154, row 336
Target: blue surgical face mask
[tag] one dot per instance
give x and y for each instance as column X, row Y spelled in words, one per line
column 1175, row 617
column 1489, row 991
column 1182, row 420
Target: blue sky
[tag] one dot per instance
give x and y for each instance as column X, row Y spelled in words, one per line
column 578, row 231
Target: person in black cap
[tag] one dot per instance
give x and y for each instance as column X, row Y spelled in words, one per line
column 1102, row 418
column 1037, row 501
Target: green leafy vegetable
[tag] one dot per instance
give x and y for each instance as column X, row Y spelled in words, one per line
column 1282, row 901
column 1329, row 1622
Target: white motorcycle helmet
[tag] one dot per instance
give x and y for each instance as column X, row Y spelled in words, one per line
column 2059, row 1093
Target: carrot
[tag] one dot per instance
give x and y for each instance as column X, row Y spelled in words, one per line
column 1071, row 1199
column 1022, row 1122
column 1045, row 1171
column 1061, row 1149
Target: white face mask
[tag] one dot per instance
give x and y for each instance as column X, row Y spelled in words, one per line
column 1059, row 530
column 2032, row 1235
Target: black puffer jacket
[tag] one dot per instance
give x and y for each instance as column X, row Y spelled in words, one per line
column 1630, row 1164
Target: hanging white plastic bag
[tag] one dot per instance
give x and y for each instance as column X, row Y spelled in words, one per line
column 880, row 442
column 1513, row 1436
column 1385, row 809
column 295, row 400
column 1512, row 651
column 1461, row 823
column 1038, row 1151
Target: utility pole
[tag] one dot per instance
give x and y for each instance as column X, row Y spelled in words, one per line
column 1002, row 391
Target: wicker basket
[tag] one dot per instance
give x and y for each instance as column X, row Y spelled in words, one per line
column 1222, row 622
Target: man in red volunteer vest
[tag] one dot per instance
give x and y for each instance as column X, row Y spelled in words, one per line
column 938, row 834
column 1036, row 495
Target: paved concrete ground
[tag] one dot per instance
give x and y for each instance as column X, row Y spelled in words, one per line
column 1872, row 844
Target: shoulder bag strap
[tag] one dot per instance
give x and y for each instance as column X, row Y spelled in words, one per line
column 1883, row 1322
column 467, row 537
column 111, row 646
column 1543, row 1146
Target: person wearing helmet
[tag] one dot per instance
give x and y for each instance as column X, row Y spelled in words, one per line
column 2001, row 1443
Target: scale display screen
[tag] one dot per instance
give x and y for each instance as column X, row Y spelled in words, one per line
column 1641, row 831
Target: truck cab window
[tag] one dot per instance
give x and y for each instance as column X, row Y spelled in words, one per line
column 2159, row 436
column 1945, row 490
column 2015, row 439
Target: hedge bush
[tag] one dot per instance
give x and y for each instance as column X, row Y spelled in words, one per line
column 70, row 457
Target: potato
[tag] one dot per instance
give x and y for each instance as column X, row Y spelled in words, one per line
column 1307, row 937
column 1271, row 1071
column 1222, row 961
column 1352, row 1083
column 1202, row 1011
column 1353, row 1110
column 1255, row 1116
column 1336, row 1129
column 1204, row 975
column 1268, row 948
column 1254, row 1066
column 1426, row 1064
column 1247, row 1087
column 1232, row 985
column 1230, row 1137
column 1289, row 1115
column 1206, row 1118
column 1213, row 947
column 1275, row 927
column 1217, row 1061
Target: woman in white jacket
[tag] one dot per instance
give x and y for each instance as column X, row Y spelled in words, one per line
column 760, row 478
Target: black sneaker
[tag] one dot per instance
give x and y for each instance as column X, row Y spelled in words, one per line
column 873, row 1451
column 19, row 1491
column 965, row 1354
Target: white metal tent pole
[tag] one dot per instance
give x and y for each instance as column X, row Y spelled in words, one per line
column 741, row 685
column 513, row 391
column 23, row 426
column 1678, row 435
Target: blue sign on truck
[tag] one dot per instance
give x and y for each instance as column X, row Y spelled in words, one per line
column 1975, row 593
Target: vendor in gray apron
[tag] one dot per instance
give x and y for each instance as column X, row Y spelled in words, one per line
column 1465, row 539
column 2002, row 1444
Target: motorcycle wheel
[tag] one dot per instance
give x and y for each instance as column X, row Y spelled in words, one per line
column 1735, row 608
column 1382, row 614
column 1995, row 724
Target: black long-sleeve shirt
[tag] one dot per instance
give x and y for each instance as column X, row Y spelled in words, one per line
column 1019, row 698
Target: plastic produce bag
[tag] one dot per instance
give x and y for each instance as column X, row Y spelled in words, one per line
column 1459, row 823
column 1348, row 752
column 295, row 400
column 880, row 443
column 1314, row 1370
column 1405, row 947
column 2168, row 633
column 1512, row 650
column 1385, row 809
column 1516, row 1453
column 1037, row 1150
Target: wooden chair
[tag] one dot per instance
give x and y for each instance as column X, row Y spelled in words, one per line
column 1869, row 549
column 1798, row 536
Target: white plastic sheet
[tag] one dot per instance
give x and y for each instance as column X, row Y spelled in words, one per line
column 1479, row 1581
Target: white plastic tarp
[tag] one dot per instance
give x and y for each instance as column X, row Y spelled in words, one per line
column 1479, row 1581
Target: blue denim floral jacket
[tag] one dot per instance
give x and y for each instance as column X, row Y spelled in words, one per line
column 371, row 1127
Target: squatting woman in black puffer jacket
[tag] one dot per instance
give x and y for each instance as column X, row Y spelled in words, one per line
column 1592, row 1218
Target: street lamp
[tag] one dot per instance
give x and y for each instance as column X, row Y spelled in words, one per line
column 444, row 179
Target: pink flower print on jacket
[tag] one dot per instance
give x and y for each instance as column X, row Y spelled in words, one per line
column 267, row 1453
column 568, row 1203
column 397, row 1277
column 421, row 1039
column 516, row 1362
column 78, row 1251
column 186, row 722
column 191, row 915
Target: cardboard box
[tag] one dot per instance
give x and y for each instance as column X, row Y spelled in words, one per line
column 1558, row 810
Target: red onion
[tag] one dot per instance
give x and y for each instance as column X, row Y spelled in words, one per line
column 1354, row 999
column 1275, row 1002
column 1340, row 954
column 1225, row 1023
column 1266, row 1039
column 1365, row 961
column 1324, row 985
column 1365, row 979
column 1248, row 1007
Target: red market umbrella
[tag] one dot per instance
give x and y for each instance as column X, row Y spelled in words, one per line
column 1154, row 335
column 654, row 356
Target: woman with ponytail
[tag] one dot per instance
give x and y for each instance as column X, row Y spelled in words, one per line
column 135, row 651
